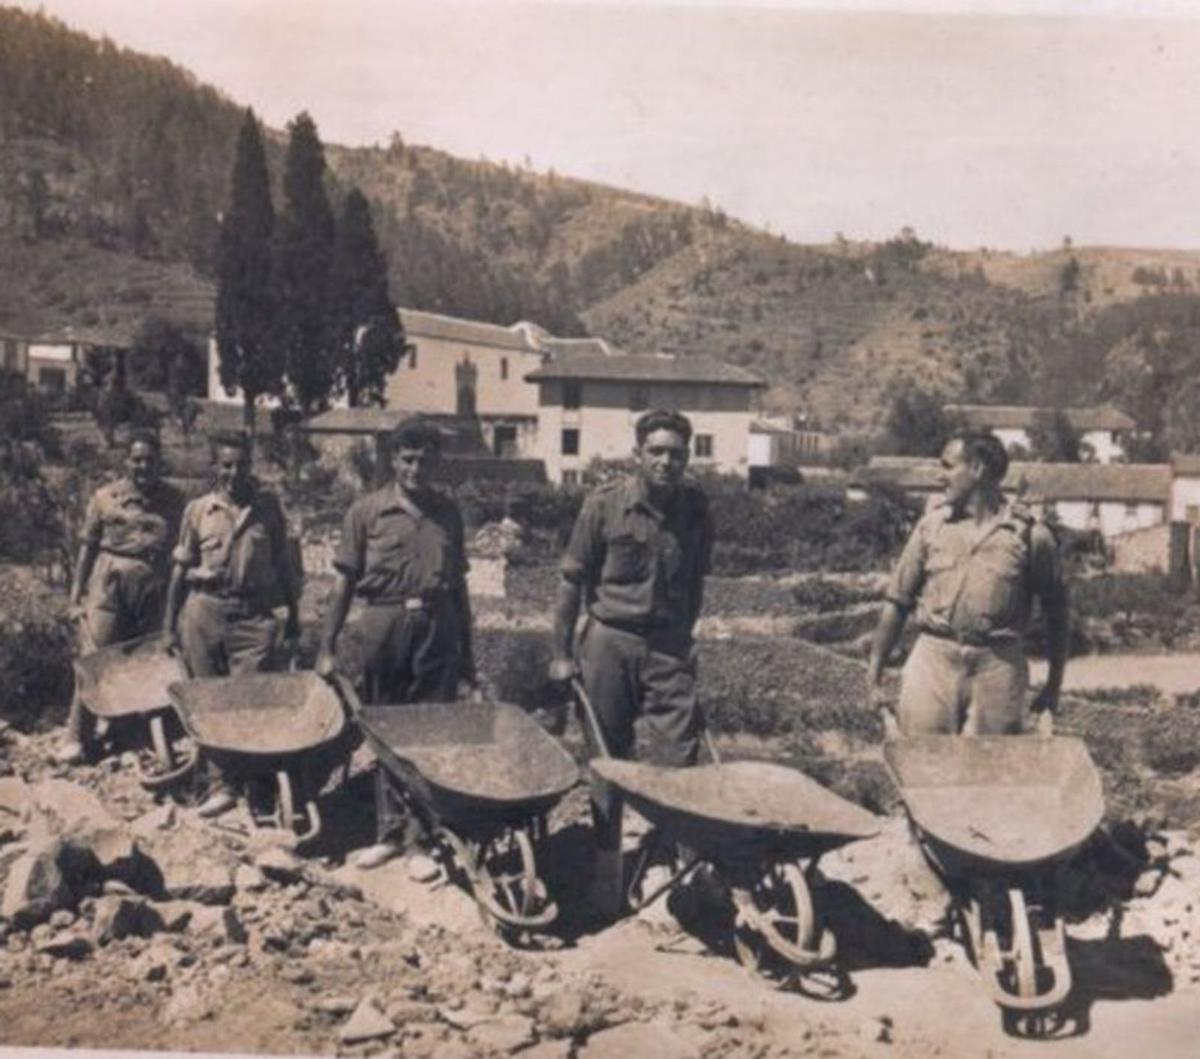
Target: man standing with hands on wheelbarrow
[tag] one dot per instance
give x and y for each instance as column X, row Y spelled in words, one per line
column 231, row 564
column 970, row 571
column 124, row 560
column 402, row 550
column 637, row 558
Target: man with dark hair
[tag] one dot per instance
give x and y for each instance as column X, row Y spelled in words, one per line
column 637, row 558
column 970, row 572
column 231, row 570
column 402, row 551
column 124, row 560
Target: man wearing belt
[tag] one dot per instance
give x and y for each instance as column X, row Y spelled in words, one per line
column 970, row 571
column 637, row 558
column 121, row 573
column 402, row 551
column 232, row 565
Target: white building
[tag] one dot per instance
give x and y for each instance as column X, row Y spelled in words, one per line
column 466, row 368
column 1099, row 428
column 1113, row 498
column 1185, row 487
column 588, row 405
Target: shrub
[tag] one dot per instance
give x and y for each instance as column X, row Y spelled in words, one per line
column 821, row 594
column 1123, row 594
column 35, row 655
column 1142, row 696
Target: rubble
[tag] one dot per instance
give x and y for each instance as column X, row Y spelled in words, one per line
column 36, row 885
column 367, row 1023
column 637, row 1038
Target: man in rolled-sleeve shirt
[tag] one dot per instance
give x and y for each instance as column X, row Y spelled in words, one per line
column 230, row 572
column 402, row 551
column 637, row 559
column 124, row 559
column 970, row 572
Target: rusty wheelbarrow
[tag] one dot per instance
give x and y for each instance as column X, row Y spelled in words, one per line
column 480, row 779
column 132, row 679
column 761, row 827
column 998, row 817
column 288, row 727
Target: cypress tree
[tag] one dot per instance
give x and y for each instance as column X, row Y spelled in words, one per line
column 303, row 260
column 368, row 335
column 244, row 312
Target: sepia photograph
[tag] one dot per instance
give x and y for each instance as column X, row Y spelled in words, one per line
column 599, row 529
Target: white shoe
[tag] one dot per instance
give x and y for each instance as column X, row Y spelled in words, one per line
column 373, row 856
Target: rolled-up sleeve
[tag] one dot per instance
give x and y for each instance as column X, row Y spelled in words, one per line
column 187, row 548
column 351, row 551
column 909, row 575
column 585, row 551
column 1045, row 566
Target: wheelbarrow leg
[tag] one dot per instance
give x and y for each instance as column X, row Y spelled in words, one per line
column 285, row 809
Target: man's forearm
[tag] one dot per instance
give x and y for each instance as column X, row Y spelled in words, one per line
column 83, row 570
column 339, row 607
column 887, row 634
column 566, row 613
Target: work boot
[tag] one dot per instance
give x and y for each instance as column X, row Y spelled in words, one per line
column 219, row 801
column 606, row 895
column 373, row 856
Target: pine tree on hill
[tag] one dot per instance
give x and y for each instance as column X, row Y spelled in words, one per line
column 244, row 314
column 368, row 335
column 303, row 263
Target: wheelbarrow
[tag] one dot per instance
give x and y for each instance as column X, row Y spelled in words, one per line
column 131, row 679
column 282, row 726
column 998, row 817
column 760, row 827
column 480, row 779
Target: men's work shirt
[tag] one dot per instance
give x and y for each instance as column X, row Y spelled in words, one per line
column 396, row 548
column 976, row 582
column 641, row 567
column 124, row 521
column 236, row 550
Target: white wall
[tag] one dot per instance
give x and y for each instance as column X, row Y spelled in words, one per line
column 606, row 423
column 1185, row 493
column 1111, row 517
column 1104, row 445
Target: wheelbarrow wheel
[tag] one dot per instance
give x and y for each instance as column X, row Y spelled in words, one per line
column 512, row 903
column 775, row 927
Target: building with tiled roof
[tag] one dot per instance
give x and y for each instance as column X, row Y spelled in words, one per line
column 1099, row 427
column 588, row 405
column 1113, row 498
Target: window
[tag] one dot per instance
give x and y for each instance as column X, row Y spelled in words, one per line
column 1131, row 510
column 704, row 446
column 570, row 442
column 638, row 401
column 503, row 368
column 572, row 394
column 570, row 478
column 52, row 379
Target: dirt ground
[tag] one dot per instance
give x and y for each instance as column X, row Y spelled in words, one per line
column 319, row 938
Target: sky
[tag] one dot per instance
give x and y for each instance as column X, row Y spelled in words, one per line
column 1000, row 123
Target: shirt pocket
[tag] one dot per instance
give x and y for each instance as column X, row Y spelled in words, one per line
column 626, row 559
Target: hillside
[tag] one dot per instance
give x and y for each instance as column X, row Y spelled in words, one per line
column 114, row 165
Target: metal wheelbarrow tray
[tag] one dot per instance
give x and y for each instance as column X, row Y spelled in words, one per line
column 131, row 679
column 754, row 822
column 288, row 724
column 480, row 778
column 998, row 816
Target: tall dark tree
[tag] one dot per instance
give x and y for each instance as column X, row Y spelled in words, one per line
column 249, row 356
column 303, row 266
column 1052, row 438
column 368, row 335
column 916, row 424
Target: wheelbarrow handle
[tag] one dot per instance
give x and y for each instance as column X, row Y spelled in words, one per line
column 585, row 705
column 345, row 689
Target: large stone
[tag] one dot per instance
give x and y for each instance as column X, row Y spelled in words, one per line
column 187, row 1004
column 367, row 1023
column 222, row 924
column 504, row 1034
column 36, row 885
column 549, row 1050
column 208, row 883
column 563, row 1013
column 16, row 802
column 637, row 1038
column 118, row 917
column 65, row 944
column 175, row 915
column 280, row 865
column 248, row 878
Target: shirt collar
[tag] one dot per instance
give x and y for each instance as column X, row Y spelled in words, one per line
column 396, row 499
column 637, row 495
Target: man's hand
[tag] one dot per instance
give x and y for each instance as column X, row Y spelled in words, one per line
column 561, row 670
column 326, row 663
